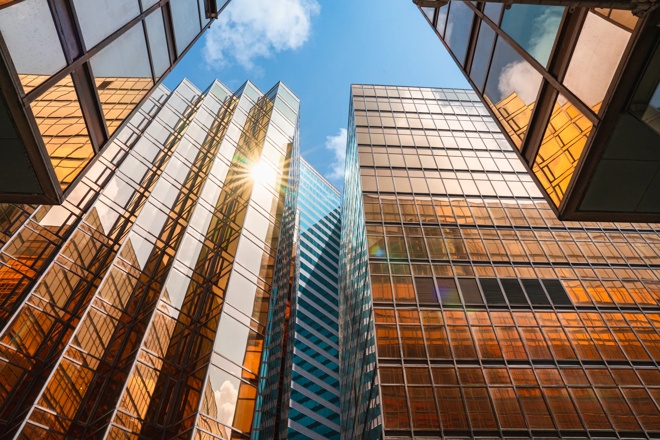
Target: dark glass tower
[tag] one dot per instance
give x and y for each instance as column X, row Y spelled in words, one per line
column 72, row 71
column 140, row 306
column 491, row 317
column 575, row 90
column 313, row 400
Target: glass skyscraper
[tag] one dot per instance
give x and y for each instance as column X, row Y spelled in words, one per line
column 576, row 90
column 72, row 72
column 139, row 307
column 312, row 398
column 467, row 309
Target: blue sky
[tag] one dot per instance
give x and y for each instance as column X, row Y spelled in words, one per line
column 318, row 49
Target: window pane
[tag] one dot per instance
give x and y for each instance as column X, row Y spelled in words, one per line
column 534, row 28
column 482, row 52
column 186, row 23
column 157, row 43
column 493, row 11
column 511, row 90
column 442, row 19
column 99, row 19
column 595, row 59
column 122, row 76
column 459, row 27
column 63, row 130
column 31, row 37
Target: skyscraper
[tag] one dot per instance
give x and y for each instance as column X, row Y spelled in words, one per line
column 468, row 310
column 139, row 307
column 313, row 399
column 72, row 72
column 300, row 397
column 575, row 90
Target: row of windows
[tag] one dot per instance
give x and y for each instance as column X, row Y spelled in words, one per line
column 447, row 335
column 414, row 92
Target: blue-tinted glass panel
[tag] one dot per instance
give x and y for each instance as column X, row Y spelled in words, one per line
column 185, row 15
column 493, row 11
column 459, row 27
column 442, row 19
column 482, row 53
column 512, row 88
column 534, row 28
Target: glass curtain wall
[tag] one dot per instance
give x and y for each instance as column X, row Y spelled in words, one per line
column 139, row 307
column 492, row 318
column 74, row 71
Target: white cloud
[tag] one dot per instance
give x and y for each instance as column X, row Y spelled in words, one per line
column 225, row 399
column 337, row 144
column 250, row 29
column 545, row 30
column 521, row 78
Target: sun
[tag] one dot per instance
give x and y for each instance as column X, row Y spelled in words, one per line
column 262, row 173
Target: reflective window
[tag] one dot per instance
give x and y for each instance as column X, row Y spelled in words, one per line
column 442, row 19
column 160, row 56
column 123, row 77
column 595, row 59
column 534, row 28
column 99, row 19
column 511, row 90
column 493, row 10
column 482, row 53
column 459, row 27
column 32, row 40
column 63, row 130
column 186, row 23
column 561, row 148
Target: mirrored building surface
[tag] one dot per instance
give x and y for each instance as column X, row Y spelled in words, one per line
column 576, row 92
column 139, row 307
column 313, row 400
column 467, row 309
column 71, row 73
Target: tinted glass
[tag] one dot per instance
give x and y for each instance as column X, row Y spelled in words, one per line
column 459, row 26
column 99, row 19
column 595, row 59
column 511, row 90
column 534, row 28
column 122, row 76
column 493, row 11
column 482, row 53
column 442, row 19
column 561, row 148
column 186, row 22
column 63, row 130
column 160, row 56
column 31, row 37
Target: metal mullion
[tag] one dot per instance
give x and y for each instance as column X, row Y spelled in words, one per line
column 169, row 33
column 569, row 31
column 149, row 54
column 86, row 56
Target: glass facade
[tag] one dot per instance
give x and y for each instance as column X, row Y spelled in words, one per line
column 492, row 318
column 564, row 98
column 140, row 306
column 312, row 403
column 73, row 72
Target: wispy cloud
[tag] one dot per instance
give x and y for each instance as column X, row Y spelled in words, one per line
column 337, row 145
column 251, row 29
column 520, row 77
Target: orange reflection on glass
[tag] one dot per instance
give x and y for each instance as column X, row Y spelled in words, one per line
column 29, row 82
column 514, row 115
column 561, row 148
column 119, row 96
column 395, row 408
column 63, row 130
